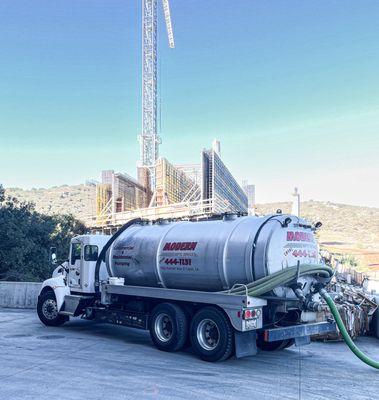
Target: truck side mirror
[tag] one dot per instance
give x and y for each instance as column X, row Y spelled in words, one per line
column 53, row 255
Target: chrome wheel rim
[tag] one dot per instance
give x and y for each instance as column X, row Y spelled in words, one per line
column 163, row 327
column 50, row 309
column 208, row 334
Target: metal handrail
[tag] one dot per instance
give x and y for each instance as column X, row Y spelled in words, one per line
column 175, row 210
column 237, row 285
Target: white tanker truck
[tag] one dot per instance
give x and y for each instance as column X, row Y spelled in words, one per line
column 226, row 286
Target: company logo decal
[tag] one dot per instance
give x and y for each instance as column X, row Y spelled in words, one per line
column 180, row 246
column 299, row 237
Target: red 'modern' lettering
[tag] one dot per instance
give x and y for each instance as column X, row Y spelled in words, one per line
column 290, row 236
column 299, row 236
column 171, row 246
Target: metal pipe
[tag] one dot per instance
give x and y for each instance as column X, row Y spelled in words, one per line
column 101, row 257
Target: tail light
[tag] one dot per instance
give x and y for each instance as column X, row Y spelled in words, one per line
column 250, row 314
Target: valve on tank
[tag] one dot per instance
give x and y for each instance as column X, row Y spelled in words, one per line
column 307, row 303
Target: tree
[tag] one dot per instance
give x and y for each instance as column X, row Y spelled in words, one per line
column 26, row 237
column 66, row 226
column 2, row 193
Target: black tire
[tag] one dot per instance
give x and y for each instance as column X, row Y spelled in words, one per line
column 273, row 346
column 212, row 335
column 168, row 327
column 290, row 342
column 188, row 311
column 47, row 310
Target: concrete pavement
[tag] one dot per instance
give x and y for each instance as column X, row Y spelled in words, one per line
column 88, row 360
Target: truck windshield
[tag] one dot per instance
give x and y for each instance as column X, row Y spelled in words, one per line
column 90, row 253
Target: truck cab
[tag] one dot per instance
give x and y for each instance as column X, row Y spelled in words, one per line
column 84, row 252
column 72, row 279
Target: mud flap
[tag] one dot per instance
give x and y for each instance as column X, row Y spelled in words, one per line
column 245, row 343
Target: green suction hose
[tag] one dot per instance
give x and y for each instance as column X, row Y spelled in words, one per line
column 369, row 361
column 281, row 278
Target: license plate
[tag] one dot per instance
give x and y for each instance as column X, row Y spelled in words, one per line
column 251, row 324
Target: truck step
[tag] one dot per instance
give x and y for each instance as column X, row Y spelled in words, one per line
column 71, row 303
column 70, row 314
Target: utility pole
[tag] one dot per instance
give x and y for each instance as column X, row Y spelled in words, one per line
column 296, row 202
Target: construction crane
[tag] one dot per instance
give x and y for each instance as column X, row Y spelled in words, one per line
column 149, row 139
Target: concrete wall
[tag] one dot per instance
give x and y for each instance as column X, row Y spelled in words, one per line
column 19, row 294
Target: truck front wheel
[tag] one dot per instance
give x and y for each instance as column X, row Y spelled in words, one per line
column 47, row 310
column 168, row 327
column 212, row 335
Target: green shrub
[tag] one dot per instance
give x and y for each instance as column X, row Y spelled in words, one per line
column 26, row 237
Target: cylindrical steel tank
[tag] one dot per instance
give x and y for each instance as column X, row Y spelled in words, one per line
column 211, row 255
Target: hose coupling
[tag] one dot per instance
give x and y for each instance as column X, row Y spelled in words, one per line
column 313, row 306
column 300, row 295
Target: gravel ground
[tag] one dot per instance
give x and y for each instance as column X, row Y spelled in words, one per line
column 88, row 360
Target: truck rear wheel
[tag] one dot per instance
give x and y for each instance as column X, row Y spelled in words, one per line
column 47, row 310
column 212, row 335
column 168, row 327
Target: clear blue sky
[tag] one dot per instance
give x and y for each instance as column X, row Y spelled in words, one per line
column 290, row 87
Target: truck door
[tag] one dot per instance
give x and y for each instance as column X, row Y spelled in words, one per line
column 75, row 266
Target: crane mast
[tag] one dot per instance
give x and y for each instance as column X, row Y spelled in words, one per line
column 149, row 139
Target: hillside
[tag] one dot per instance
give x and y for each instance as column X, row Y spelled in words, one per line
column 346, row 229
column 78, row 200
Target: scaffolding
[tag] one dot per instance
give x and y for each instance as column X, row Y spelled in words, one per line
column 193, row 171
column 181, row 191
column 219, row 185
column 173, row 185
column 118, row 193
column 103, row 201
